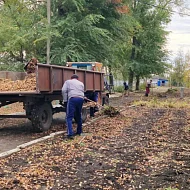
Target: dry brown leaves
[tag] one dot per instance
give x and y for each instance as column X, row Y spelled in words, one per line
column 28, row 84
column 31, row 66
column 90, row 104
column 142, row 148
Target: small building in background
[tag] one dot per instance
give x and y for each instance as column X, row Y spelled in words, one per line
column 160, row 81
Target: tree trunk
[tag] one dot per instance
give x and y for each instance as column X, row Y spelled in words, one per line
column 131, row 75
column 137, row 82
column 131, row 72
column 21, row 55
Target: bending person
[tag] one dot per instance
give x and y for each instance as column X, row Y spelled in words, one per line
column 73, row 96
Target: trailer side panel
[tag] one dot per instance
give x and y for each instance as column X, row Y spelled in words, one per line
column 50, row 78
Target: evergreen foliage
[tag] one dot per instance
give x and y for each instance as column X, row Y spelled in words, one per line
column 22, row 28
column 128, row 36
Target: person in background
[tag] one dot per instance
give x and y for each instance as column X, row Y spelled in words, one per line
column 73, row 96
column 94, row 97
column 148, row 86
column 111, row 83
column 106, row 86
column 126, row 89
column 111, row 79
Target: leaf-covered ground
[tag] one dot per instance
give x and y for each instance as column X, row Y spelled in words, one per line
column 142, row 148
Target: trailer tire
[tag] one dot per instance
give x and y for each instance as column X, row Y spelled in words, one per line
column 84, row 115
column 42, row 117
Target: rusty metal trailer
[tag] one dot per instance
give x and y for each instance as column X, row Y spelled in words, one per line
column 49, row 82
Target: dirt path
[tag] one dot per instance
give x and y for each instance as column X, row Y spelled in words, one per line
column 14, row 132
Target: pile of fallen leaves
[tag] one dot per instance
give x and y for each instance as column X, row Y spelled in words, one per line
column 28, row 84
column 110, row 111
column 90, row 104
column 31, row 66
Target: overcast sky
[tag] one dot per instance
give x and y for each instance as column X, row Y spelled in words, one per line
column 179, row 38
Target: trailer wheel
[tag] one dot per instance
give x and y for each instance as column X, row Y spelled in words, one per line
column 41, row 117
column 84, row 115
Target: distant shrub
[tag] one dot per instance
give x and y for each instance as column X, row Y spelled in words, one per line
column 172, row 90
column 12, row 67
column 119, row 89
column 142, row 86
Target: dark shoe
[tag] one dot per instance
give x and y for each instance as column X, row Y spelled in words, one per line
column 81, row 134
column 70, row 137
column 77, row 134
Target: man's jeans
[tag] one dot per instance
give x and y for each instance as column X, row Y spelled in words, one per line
column 74, row 108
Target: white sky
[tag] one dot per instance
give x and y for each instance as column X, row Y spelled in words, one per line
column 179, row 38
